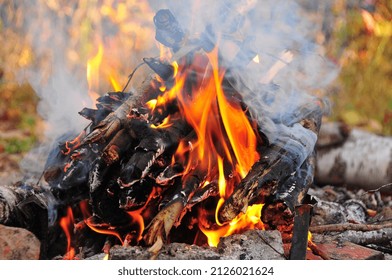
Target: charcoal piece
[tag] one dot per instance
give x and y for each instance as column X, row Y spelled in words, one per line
column 136, row 196
column 203, row 193
column 115, row 99
column 104, row 190
column 154, row 143
column 94, row 115
column 137, row 168
column 168, row 30
column 169, row 174
column 76, row 174
column 164, row 70
column 104, row 193
column 56, row 160
column 117, row 147
column 299, row 242
column 294, row 189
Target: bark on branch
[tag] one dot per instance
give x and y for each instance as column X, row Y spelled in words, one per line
column 348, row 226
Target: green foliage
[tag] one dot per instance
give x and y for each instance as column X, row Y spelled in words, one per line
column 18, row 145
column 365, row 95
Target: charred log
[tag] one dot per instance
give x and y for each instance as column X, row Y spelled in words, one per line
column 271, row 178
column 28, row 207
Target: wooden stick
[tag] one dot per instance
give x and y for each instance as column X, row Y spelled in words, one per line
column 348, row 226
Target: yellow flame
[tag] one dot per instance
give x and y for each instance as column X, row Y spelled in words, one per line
column 249, row 220
column 93, row 65
column 164, row 124
column 221, row 180
column 116, row 86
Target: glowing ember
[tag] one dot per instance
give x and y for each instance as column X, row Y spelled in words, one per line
column 70, row 145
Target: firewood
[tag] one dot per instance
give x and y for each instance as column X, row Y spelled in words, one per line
column 348, row 226
column 29, row 207
column 347, row 164
column 380, row 236
column 267, row 179
column 332, row 134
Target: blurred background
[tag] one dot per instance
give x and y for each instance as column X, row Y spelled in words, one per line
column 92, row 46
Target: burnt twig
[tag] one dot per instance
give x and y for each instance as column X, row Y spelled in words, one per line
column 348, row 226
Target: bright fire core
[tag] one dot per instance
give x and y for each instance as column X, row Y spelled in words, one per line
column 225, row 149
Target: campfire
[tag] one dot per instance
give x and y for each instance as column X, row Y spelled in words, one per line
column 206, row 146
column 184, row 157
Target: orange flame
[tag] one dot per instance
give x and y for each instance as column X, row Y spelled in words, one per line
column 67, row 224
column 225, row 147
column 138, row 218
column 86, row 214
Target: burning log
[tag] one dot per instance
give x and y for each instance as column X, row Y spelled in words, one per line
column 271, row 179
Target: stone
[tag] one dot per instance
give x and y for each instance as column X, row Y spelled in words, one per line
column 18, row 244
column 251, row 245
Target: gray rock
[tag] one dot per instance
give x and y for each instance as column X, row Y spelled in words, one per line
column 251, row 245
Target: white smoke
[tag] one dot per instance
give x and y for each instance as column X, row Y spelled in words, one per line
column 274, row 62
column 277, row 67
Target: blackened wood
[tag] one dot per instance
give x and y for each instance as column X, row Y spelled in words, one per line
column 164, row 70
column 299, row 242
column 294, row 189
column 28, row 207
column 168, row 30
column 269, row 175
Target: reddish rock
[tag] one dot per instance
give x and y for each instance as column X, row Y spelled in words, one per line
column 18, row 244
column 348, row 251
